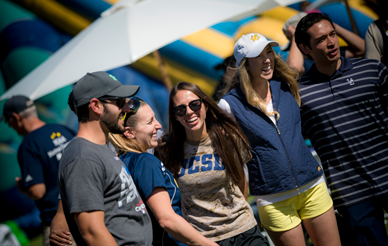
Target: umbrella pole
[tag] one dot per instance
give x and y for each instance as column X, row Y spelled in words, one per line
column 166, row 79
column 352, row 22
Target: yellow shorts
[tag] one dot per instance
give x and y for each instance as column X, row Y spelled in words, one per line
column 287, row 214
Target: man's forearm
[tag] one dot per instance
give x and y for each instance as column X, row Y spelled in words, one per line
column 356, row 44
column 35, row 192
column 99, row 238
column 59, row 231
column 59, row 221
column 93, row 230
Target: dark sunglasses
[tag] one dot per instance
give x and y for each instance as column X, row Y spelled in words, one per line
column 134, row 105
column 120, row 101
column 194, row 105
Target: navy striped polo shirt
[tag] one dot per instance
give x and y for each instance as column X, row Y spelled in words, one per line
column 345, row 117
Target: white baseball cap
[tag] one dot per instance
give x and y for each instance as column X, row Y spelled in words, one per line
column 251, row 45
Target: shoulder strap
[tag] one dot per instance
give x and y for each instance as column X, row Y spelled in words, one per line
column 383, row 27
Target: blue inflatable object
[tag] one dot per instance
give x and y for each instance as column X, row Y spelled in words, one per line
column 151, row 91
column 192, row 57
column 229, row 28
column 10, row 12
column 31, row 33
column 14, row 204
column 87, row 8
column 337, row 12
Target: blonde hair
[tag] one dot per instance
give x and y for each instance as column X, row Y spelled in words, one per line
column 123, row 144
column 281, row 72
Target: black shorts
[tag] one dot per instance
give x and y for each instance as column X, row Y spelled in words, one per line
column 252, row 237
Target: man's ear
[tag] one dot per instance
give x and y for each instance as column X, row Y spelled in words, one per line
column 304, row 48
column 16, row 116
column 129, row 133
column 96, row 106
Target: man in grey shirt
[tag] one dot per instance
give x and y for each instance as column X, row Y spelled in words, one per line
column 100, row 201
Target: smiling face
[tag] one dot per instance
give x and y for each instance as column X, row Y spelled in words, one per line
column 261, row 67
column 192, row 121
column 145, row 130
column 324, row 44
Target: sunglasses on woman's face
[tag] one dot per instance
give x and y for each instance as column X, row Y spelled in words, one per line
column 134, row 105
column 120, row 101
column 194, row 105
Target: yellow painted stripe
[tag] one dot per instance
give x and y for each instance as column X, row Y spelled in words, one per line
column 280, row 13
column 211, row 41
column 111, row 2
column 177, row 73
column 221, row 45
column 342, row 42
column 267, row 26
column 360, row 7
column 58, row 15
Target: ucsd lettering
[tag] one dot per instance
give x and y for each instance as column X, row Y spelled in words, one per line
column 211, row 202
column 202, row 163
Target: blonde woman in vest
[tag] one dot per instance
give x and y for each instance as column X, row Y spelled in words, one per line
column 284, row 177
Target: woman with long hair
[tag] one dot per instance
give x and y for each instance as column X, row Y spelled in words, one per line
column 154, row 182
column 206, row 152
column 284, row 177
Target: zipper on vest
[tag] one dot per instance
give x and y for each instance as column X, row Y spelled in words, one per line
column 285, row 150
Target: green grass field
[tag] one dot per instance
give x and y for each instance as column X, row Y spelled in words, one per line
column 37, row 241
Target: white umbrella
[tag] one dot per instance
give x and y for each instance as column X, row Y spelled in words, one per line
column 127, row 31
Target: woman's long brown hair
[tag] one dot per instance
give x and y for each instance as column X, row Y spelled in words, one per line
column 221, row 129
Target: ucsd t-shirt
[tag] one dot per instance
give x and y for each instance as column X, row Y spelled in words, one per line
column 211, row 203
column 93, row 178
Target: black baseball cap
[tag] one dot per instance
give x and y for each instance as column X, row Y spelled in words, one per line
column 15, row 104
column 98, row 84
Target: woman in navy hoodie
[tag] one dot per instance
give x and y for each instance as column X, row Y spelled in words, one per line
column 284, row 177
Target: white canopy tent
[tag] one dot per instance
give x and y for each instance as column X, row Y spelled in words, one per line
column 127, row 31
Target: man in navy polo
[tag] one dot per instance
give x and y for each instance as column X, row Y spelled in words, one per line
column 38, row 156
column 344, row 114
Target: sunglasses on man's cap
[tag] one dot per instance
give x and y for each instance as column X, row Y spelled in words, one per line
column 134, row 104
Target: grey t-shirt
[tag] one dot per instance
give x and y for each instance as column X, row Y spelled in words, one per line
column 91, row 178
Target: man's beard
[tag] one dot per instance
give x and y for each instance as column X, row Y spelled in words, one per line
column 111, row 122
